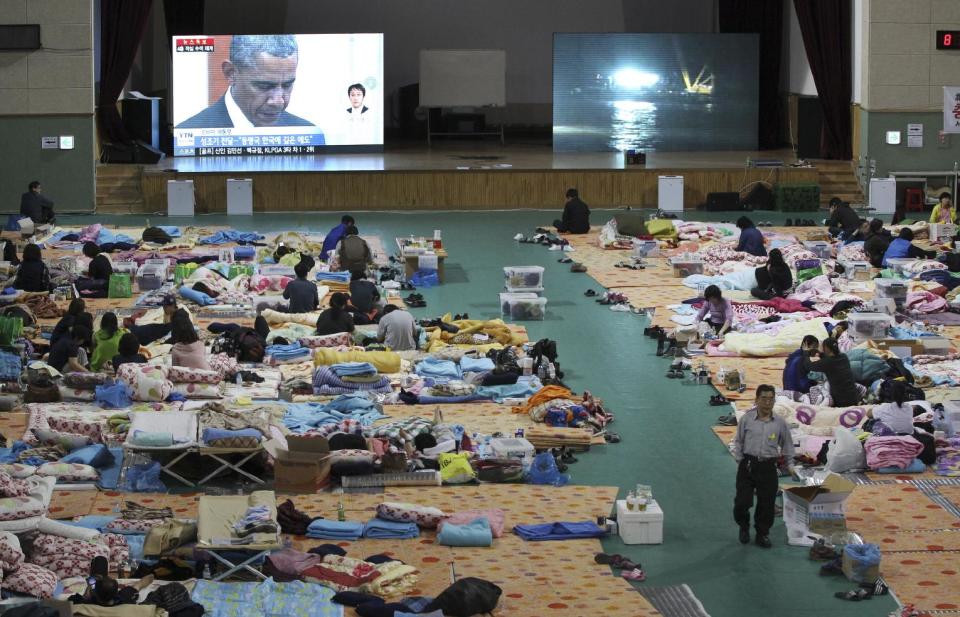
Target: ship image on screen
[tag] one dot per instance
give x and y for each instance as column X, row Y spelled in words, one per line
column 667, row 92
column 276, row 93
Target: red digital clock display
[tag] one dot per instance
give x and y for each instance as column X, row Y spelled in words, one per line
column 948, row 39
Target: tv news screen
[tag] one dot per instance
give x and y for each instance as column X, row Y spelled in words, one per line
column 276, row 93
column 668, row 92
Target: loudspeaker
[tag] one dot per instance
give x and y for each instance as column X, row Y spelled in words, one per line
column 760, row 197
column 718, row 202
column 19, row 37
column 146, row 154
column 809, row 127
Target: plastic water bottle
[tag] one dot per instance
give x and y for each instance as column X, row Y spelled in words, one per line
column 239, row 379
column 206, row 572
column 341, row 513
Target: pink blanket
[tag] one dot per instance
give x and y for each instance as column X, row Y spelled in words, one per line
column 896, row 451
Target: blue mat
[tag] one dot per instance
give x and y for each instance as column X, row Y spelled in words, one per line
column 110, row 476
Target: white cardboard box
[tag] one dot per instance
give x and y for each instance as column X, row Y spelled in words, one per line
column 640, row 526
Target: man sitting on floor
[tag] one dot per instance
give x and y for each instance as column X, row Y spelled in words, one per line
column 576, row 215
column 397, row 329
column 843, row 220
column 902, row 247
column 35, row 206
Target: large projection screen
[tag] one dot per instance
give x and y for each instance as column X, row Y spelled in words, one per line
column 276, row 94
column 667, row 92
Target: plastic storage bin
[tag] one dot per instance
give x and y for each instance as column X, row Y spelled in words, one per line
column 891, row 288
column 151, row 276
column 865, row 326
column 126, row 267
column 646, row 248
column 640, row 526
column 897, row 264
column 511, row 447
column 523, row 277
column 525, row 309
column 819, row 248
column 684, row 268
column 506, row 297
column 858, row 270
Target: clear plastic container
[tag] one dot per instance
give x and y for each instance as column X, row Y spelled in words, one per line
column 819, row 248
column 891, row 288
column 683, row 268
column 125, row 267
column 865, row 326
column 506, row 297
column 151, row 276
column 523, row 277
column 858, row 270
column 526, row 309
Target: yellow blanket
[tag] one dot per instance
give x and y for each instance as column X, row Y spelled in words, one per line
column 383, row 361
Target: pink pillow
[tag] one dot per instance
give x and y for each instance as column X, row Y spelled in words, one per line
column 182, row 374
column 495, row 516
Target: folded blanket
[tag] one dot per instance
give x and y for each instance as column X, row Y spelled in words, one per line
column 343, row 369
column 438, row 369
column 475, row 533
column 494, row 516
column 335, row 530
column 325, row 381
column 293, row 351
column 559, row 531
column 214, row 434
column 390, row 530
column 386, row 362
column 476, row 365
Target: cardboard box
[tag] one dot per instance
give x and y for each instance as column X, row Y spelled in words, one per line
column 301, row 465
column 940, row 232
column 868, row 576
column 902, row 348
column 801, row 504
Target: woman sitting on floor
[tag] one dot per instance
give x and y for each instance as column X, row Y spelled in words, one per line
column 33, row 274
column 188, row 350
column 751, row 238
column 106, row 341
column 898, row 414
column 840, row 389
column 77, row 306
column 100, row 267
column 720, row 311
column 337, row 318
column 128, row 351
column 774, row 280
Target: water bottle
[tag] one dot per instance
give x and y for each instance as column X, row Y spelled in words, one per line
column 239, row 379
column 206, row 572
column 341, row 513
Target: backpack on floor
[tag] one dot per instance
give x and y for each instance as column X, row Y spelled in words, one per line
column 468, row 596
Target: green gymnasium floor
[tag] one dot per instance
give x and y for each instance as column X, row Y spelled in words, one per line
column 665, row 425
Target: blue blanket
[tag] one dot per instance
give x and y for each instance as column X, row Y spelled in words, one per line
column 438, row 369
column 476, row 365
column 343, row 369
column 559, row 531
column 475, row 533
column 213, row 434
column 335, row 530
column 231, row 235
column 301, row 417
column 390, row 530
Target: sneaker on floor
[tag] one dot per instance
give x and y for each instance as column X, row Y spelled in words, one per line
column 634, row 575
column 620, row 308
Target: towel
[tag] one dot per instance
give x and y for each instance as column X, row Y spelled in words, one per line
column 438, row 369
column 335, row 530
column 288, row 353
column 476, row 365
column 560, row 530
column 475, row 533
column 390, row 530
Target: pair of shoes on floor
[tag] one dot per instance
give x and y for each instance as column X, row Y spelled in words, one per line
column 729, row 420
column 613, row 297
column 564, row 260
column 616, row 560
column 590, row 293
column 653, row 331
column 620, row 307
column 459, row 317
column 611, row 437
column 564, row 455
column 634, row 575
column 675, row 373
column 854, row 595
column 629, row 265
column 405, row 286
column 821, row 552
column 718, row 399
column 415, row 301
column 578, row 267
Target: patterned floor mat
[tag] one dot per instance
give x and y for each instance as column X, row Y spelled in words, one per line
column 71, row 504
column 928, row 580
column 675, row 601
column 878, row 509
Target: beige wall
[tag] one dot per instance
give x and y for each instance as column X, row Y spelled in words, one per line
column 904, row 70
column 57, row 79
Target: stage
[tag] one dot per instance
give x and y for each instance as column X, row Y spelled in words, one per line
column 458, row 176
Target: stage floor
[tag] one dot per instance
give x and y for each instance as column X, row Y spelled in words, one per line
column 461, row 155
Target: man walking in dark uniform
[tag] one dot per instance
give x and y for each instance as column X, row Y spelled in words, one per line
column 761, row 439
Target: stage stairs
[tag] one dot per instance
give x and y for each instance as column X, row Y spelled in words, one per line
column 118, row 189
column 838, row 179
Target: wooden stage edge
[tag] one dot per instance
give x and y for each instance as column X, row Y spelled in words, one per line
column 469, row 189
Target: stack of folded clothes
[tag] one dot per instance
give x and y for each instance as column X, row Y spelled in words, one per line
column 335, row 281
column 255, row 520
column 349, row 377
column 335, row 530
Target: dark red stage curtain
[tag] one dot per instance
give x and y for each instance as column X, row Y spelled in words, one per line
column 825, row 25
column 122, row 23
column 183, row 17
column 763, row 17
